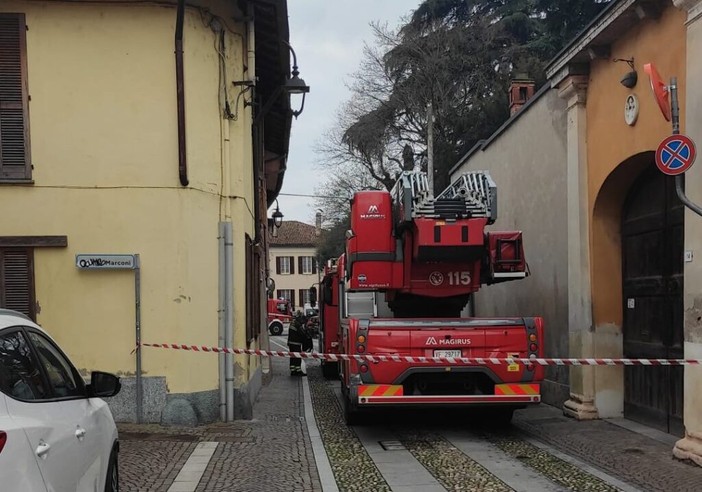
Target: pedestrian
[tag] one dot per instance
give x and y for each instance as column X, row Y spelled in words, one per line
column 297, row 341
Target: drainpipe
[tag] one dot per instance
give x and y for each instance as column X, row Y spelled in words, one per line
column 229, row 316
column 255, row 131
column 221, row 310
column 180, row 92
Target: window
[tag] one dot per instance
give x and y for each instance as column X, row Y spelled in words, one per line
column 63, row 377
column 17, row 280
column 304, row 296
column 287, row 294
column 14, row 116
column 284, row 265
column 20, row 376
column 307, row 265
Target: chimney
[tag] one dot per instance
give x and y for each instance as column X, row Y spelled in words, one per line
column 520, row 91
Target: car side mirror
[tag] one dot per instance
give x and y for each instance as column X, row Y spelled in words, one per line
column 103, row 385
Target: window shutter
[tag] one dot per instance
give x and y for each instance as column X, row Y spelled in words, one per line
column 277, row 266
column 299, row 264
column 14, row 127
column 292, row 265
column 314, row 265
column 17, row 281
column 301, row 295
column 279, row 294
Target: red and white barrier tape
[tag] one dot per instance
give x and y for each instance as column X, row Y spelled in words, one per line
column 471, row 361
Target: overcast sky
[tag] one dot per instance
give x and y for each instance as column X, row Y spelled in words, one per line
column 328, row 37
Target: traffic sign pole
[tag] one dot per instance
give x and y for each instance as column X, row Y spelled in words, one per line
column 675, row 118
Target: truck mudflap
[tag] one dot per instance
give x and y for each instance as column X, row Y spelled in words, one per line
column 392, row 394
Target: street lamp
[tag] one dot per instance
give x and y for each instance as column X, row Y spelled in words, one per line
column 295, row 85
column 276, row 220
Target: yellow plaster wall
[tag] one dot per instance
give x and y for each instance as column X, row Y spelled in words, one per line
column 610, row 141
column 104, row 147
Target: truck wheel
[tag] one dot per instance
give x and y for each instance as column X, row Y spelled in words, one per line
column 351, row 412
column 330, row 370
column 500, row 417
column 276, row 328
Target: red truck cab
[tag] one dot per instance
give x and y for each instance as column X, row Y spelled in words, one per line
column 279, row 314
column 329, row 318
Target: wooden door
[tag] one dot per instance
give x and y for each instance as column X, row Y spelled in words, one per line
column 652, row 249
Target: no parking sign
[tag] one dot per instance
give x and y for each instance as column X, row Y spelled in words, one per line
column 675, row 154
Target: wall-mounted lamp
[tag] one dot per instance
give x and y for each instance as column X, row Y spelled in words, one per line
column 295, row 85
column 630, row 78
column 275, row 220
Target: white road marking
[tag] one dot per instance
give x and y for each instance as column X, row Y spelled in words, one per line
column 510, row 470
column 189, row 476
column 399, row 468
column 326, row 475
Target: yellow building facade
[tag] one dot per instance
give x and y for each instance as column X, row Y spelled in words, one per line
column 108, row 169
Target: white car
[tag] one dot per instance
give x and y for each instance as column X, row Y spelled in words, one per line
column 56, row 434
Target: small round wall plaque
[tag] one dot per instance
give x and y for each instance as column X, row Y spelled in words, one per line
column 631, row 109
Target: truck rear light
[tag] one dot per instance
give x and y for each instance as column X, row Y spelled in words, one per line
column 361, row 339
column 533, row 347
column 532, row 337
column 3, row 440
column 360, row 348
column 363, row 368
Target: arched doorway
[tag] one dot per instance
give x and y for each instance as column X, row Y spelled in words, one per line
column 652, row 287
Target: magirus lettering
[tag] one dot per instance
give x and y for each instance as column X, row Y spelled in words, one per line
column 373, row 213
column 455, row 341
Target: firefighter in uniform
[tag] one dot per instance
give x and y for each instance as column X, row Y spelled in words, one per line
column 298, row 341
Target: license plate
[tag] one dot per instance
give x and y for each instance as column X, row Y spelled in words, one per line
column 447, row 353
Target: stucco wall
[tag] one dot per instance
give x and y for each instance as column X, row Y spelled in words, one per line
column 103, row 136
column 691, row 446
column 614, row 145
column 527, row 161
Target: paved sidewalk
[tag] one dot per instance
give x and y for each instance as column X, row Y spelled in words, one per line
column 638, row 459
column 272, row 452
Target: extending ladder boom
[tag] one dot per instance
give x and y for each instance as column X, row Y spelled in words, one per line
column 473, row 194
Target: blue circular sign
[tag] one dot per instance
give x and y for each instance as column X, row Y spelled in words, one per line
column 675, row 155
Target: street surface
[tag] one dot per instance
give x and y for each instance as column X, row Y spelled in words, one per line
column 298, row 441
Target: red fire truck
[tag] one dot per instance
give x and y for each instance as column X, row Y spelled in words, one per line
column 401, row 288
column 279, row 314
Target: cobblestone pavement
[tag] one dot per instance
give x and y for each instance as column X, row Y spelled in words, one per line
column 428, row 435
column 272, row 452
column 353, row 468
column 637, row 459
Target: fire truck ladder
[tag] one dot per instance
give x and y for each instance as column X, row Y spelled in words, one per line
column 479, row 192
column 474, row 194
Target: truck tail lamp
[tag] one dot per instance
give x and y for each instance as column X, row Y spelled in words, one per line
column 3, row 440
column 533, row 332
column 361, row 339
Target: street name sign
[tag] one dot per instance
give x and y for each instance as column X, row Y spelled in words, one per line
column 105, row 262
